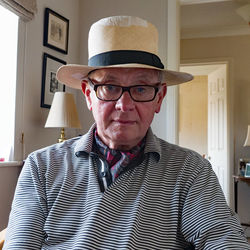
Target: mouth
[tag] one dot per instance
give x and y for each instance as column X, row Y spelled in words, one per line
column 124, row 122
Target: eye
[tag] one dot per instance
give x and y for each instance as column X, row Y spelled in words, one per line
column 110, row 88
column 140, row 89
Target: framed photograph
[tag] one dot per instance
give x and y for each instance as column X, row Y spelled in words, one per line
column 56, row 31
column 242, row 166
column 50, row 84
column 247, row 171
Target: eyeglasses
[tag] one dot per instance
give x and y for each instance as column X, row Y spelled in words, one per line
column 138, row 93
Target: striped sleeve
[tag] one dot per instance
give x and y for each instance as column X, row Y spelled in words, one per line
column 28, row 212
column 207, row 221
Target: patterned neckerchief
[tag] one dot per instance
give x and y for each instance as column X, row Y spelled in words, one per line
column 118, row 160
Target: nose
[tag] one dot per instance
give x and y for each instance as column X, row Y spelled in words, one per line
column 125, row 103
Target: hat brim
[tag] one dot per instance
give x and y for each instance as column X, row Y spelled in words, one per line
column 73, row 74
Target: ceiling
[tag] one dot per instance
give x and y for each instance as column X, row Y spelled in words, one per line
column 186, row 2
column 209, row 18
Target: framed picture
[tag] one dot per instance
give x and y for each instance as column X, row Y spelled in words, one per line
column 247, row 171
column 56, row 31
column 242, row 166
column 50, row 84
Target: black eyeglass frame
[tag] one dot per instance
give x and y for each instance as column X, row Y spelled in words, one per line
column 124, row 89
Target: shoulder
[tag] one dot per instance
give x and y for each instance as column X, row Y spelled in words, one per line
column 177, row 152
column 56, row 150
column 60, row 156
column 53, row 157
column 171, row 154
column 181, row 160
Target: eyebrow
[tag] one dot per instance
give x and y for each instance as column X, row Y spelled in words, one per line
column 105, row 78
column 141, row 77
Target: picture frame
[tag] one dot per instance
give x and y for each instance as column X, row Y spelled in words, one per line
column 247, row 170
column 242, row 166
column 50, row 84
column 56, row 31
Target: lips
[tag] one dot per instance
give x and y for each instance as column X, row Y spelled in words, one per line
column 125, row 122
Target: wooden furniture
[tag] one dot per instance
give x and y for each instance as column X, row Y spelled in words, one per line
column 2, row 238
column 238, row 179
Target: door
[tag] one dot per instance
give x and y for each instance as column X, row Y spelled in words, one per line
column 217, row 126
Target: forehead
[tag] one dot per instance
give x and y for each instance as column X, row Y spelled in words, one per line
column 121, row 73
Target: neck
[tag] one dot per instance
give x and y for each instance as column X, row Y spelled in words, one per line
column 115, row 146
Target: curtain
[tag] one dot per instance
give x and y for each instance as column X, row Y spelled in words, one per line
column 25, row 9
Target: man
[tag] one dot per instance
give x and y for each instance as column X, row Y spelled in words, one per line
column 119, row 186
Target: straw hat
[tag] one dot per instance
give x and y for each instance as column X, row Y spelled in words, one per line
column 123, row 42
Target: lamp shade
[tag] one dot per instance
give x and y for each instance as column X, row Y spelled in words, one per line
column 244, row 12
column 63, row 113
column 247, row 141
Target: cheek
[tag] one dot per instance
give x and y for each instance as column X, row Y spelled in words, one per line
column 102, row 111
column 146, row 113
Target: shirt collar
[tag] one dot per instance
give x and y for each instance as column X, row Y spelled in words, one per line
column 85, row 144
column 152, row 145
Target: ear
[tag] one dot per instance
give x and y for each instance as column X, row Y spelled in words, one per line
column 162, row 93
column 86, row 91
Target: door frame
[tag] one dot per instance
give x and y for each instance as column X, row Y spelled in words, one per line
column 230, row 115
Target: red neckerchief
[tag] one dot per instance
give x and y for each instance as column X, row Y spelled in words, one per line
column 118, row 160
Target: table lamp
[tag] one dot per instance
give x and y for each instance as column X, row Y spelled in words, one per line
column 247, row 141
column 63, row 113
column 244, row 12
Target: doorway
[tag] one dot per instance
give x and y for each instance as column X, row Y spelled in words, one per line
column 203, row 116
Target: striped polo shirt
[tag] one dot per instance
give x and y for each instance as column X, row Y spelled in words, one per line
column 171, row 199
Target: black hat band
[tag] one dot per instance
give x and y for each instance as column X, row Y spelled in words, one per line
column 125, row 57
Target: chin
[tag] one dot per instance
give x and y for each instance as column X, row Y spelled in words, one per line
column 124, row 139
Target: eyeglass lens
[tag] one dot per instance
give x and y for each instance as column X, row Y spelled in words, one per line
column 138, row 93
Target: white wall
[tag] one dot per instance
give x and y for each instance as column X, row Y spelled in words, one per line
column 31, row 117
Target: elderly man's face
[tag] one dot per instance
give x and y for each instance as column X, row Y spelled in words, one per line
column 123, row 123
